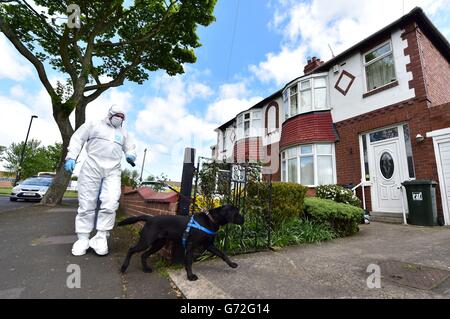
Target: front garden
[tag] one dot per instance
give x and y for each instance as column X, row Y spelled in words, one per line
column 279, row 214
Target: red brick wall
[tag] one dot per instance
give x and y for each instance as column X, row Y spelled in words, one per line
column 307, row 128
column 145, row 202
column 248, row 149
column 436, row 71
column 5, row 184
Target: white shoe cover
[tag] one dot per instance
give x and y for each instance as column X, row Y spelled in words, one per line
column 80, row 247
column 99, row 243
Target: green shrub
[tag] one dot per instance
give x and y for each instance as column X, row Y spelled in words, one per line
column 287, row 200
column 343, row 218
column 338, row 194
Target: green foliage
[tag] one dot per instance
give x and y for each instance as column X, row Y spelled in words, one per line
column 338, row 194
column 214, row 183
column 343, row 218
column 129, row 178
column 298, row 231
column 159, row 184
column 287, row 200
column 36, row 158
column 149, row 34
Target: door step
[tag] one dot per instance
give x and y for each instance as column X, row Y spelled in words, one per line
column 392, row 218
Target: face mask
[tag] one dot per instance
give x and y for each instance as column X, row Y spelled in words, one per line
column 116, row 121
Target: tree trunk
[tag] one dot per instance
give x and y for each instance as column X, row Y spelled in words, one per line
column 56, row 191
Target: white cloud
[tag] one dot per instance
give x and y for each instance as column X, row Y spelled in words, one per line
column 308, row 28
column 14, row 128
column 12, row 65
column 199, row 90
column 224, row 110
column 17, row 91
column 98, row 109
column 282, row 67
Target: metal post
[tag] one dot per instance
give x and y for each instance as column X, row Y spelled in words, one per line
column 23, row 151
column 184, row 200
column 143, row 163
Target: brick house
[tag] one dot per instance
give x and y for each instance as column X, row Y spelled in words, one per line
column 374, row 116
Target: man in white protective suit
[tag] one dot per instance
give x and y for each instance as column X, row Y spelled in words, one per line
column 99, row 178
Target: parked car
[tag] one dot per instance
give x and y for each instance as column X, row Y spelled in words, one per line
column 156, row 186
column 33, row 188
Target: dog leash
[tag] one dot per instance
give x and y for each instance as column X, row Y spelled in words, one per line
column 194, row 224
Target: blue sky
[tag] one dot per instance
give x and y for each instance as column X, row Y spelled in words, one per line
column 272, row 39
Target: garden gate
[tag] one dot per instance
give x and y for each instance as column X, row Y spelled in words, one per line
column 219, row 183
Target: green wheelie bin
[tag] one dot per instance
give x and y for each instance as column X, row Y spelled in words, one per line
column 421, row 195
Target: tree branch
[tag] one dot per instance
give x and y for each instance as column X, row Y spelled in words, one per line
column 118, row 81
column 65, row 58
column 5, row 28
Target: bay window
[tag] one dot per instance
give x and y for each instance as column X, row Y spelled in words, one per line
column 379, row 66
column 309, row 94
column 309, row 165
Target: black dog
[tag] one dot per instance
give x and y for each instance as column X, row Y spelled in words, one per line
column 160, row 229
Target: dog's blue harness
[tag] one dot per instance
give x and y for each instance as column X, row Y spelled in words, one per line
column 194, row 224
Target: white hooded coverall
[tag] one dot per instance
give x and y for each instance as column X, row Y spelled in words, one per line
column 100, row 172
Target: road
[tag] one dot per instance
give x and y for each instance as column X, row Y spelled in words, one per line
column 6, row 204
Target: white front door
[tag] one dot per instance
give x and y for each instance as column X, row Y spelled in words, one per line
column 387, row 176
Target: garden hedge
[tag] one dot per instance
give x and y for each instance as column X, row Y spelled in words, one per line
column 343, row 218
column 287, row 200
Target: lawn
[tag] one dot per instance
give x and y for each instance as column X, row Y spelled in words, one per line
column 67, row 194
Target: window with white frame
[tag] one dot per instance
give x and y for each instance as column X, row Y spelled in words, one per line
column 224, row 141
column 293, row 100
column 379, row 66
column 249, row 124
column 309, row 94
column 309, row 165
column 286, row 104
column 272, row 119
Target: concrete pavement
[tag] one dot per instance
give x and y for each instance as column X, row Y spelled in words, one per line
column 336, row 269
column 35, row 258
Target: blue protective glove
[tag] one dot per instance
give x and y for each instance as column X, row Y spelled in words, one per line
column 69, row 165
column 131, row 159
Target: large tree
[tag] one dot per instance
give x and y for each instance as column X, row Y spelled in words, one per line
column 115, row 42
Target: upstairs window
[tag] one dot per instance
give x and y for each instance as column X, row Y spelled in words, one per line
column 305, row 96
column 379, row 66
column 224, row 141
column 293, row 100
column 272, row 120
column 249, row 124
column 308, row 95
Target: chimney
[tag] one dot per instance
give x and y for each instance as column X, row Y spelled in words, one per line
column 312, row 65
